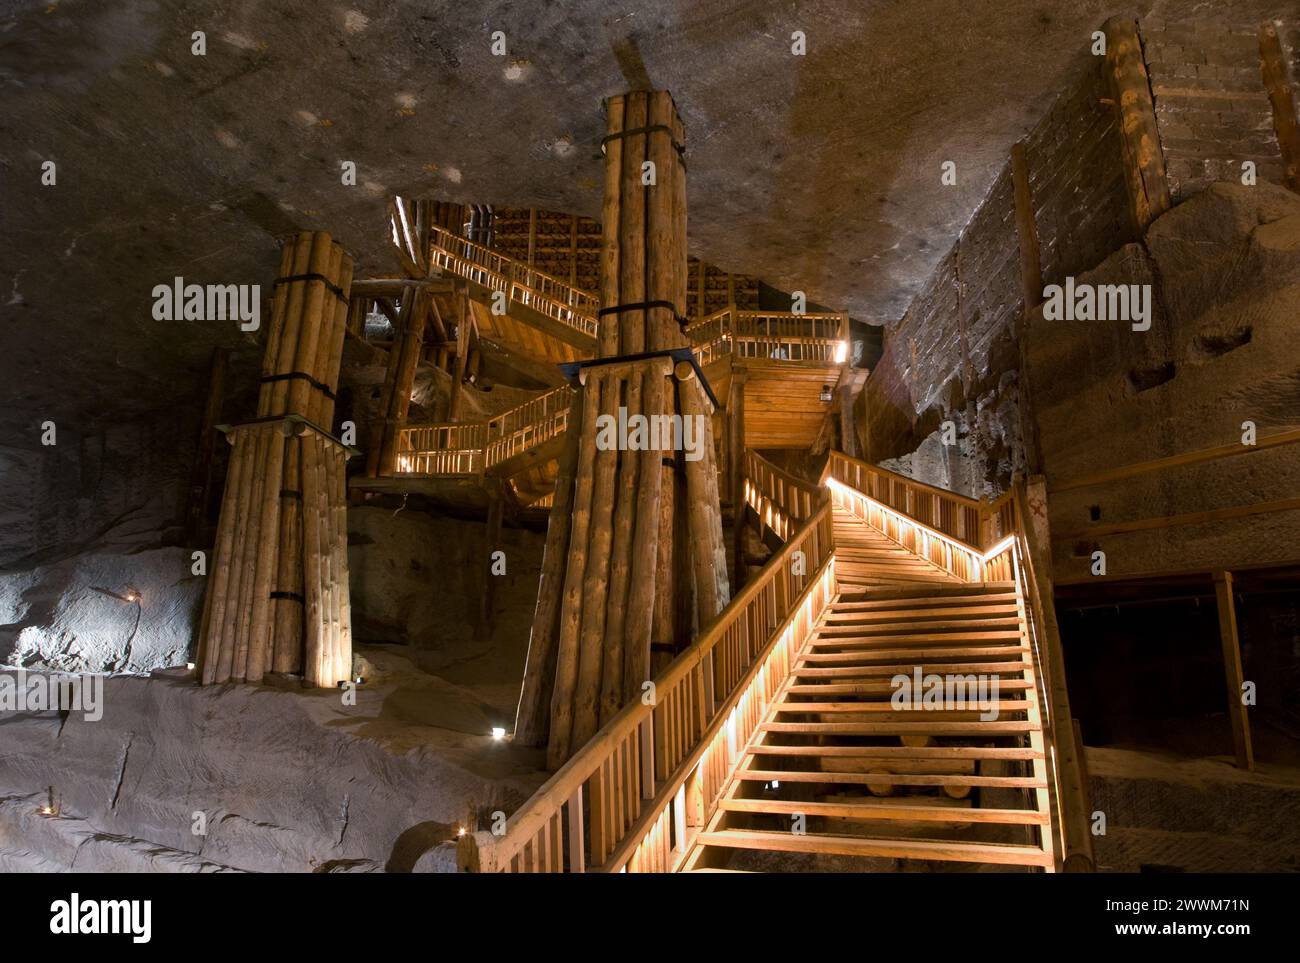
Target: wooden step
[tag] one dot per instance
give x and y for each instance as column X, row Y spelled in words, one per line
column 1001, row 727
column 941, row 628
column 888, row 671
column 853, row 635
column 889, row 754
column 1003, row 705
column 897, row 779
column 929, row 652
column 876, row 688
column 932, row 594
column 908, row 614
column 869, row 808
column 1003, row 854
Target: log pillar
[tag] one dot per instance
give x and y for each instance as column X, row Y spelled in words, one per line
column 1130, row 87
column 277, row 598
column 616, row 592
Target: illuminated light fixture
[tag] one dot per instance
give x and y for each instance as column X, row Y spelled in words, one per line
column 189, row 666
column 826, row 393
column 498, row 733
column 131, row 596
column 841, row 351
column 460, row 831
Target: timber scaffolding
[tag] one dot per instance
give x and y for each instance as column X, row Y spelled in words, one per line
column 876, row 569
column 791, row 360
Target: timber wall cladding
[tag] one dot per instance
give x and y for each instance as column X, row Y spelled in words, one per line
column 956, row 337
column 1212, row 109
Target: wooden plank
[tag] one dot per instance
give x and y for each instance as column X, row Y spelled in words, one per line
column 923, row 849
column 869, row 809
column 1231, row 644
column 1281, row 97
column 1130, row 88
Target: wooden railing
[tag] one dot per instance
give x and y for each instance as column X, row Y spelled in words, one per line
column 544, row 293
column 940, row 510
column 1008, row 556
column 634, row 797
column 770, row 335
column 468, row 448
column 781, row 500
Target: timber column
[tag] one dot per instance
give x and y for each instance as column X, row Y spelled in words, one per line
column 614, row 552
column 277, row 598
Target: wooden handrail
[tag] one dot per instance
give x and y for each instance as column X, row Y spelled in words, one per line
column 1070, row 785
column 466, row 448
column 781, row 500
column 1010, row 558
column 629, row 782
column 523, row 284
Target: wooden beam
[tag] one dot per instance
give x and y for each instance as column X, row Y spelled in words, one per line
column 1190, row 518
column 1232, row 670
column 1282, row 97
column 532, row 234
column 736, row 462
column 462, row 356
column 1173, row 461
column 1130, row 87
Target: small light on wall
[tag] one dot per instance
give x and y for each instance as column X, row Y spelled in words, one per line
column 498, row 733
column 841, row 351
column 460, row 831
column 49, row 809
column 826, row 393
column 189, row 666
column 132, row 596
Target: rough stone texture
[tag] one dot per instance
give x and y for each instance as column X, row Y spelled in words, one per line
column 1212, row 109
column 117, row 485
column 1222, row 350
column 73, row 615
column 417, row 579
column 954, row 354
column 816, row 173
column 288, row 780
column 1197, row 815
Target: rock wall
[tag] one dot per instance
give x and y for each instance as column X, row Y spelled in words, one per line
column 1222, row 350
column 953, row 355
column 1212, row 110
column 177, row 777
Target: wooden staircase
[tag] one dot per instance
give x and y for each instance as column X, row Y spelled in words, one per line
column 835, row 769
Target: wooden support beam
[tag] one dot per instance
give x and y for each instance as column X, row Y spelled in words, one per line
column 1223, row 594
column 736, row 462
column 1031, row 279
column 1143, row 158
column 463, row 326
column 532, row 234
column 1282, row 97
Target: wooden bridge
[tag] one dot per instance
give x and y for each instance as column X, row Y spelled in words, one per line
column 774, row 733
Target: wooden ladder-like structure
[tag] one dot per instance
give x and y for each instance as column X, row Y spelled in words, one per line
column 837, row 768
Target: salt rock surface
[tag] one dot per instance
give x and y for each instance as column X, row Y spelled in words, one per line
column 76, row 615
column 279, row 780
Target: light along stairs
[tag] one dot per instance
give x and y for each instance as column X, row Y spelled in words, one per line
column 867, row 779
